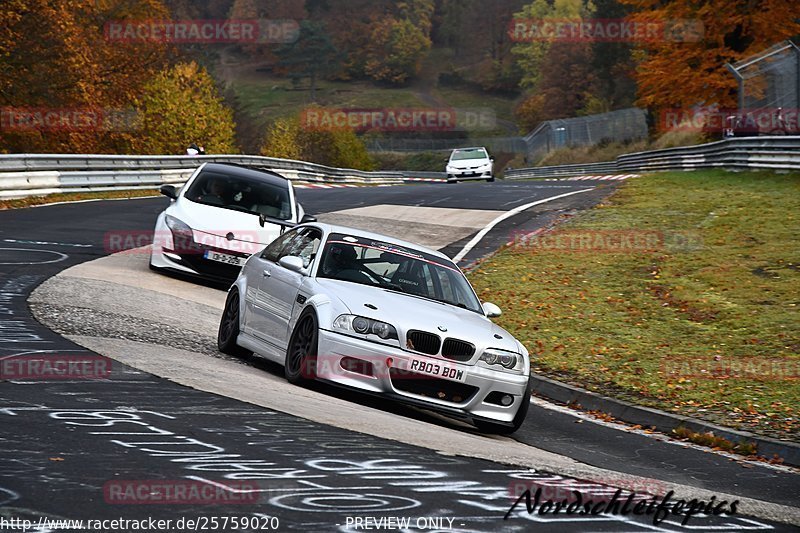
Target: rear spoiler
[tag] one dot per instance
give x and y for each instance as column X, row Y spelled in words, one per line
column 263, row 219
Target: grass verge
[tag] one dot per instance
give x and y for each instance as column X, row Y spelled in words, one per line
column 681, row 292
column 72, row 197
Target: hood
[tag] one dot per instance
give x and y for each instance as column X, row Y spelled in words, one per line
column 468, row 163
column 214, row 224
column 406, row 312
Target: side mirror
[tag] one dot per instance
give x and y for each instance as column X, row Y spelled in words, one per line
column 491, row 159
column 491, row 310
column 291, row 262
column 169, row 191
column 308, row 218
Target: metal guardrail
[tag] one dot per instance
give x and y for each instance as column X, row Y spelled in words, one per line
column 40, row 174
column 560, row 171
column 740, row 153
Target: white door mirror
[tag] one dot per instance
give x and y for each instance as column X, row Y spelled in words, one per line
column 291, row 262
column 491, row 310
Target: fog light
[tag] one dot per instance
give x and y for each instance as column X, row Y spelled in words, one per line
column 506, row 400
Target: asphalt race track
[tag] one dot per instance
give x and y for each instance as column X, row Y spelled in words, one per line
column 282, row 457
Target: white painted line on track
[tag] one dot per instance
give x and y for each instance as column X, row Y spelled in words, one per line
column 482, row 233
column 61, row 257
column 47, row 243
column 655, row 435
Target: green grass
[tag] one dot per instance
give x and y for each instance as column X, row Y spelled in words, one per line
column 30, row 201
column 617, row 323
column 474, row 99
column 269, row 98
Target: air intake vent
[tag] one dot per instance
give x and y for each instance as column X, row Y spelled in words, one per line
column 421, row 341
column 458, row 350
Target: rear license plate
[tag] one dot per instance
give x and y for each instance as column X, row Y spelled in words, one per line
column 435, row 368
column 224, row 258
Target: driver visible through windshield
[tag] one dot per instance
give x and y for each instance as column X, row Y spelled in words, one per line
column 377, row 263
column 241, row 194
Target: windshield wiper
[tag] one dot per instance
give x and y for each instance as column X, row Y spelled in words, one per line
column 393, row 286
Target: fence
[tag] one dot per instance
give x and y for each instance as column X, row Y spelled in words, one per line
column 615, row 126
column 514, row 145
column 40, row 174
column 779, row 153
column 769, row 80
column 624, row 125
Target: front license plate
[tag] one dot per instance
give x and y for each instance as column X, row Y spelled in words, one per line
column 224, row 258
column 436, row 368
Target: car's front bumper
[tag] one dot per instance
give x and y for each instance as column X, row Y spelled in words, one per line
column 384, row 370
column 188, row 258
column 467, row 174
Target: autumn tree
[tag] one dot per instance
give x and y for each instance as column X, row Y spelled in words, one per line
column 311, row 56
column 267, row 10
column 557, row 73
column 531, row 52
column 396, row 50
column 339, row 147
column 567, row 80
column 56, row 55
column 477, row 32
column 282, row 140
column 179, row 106
column 380, row 39
column 687, row 66
column 613, row 66
column 350, row 24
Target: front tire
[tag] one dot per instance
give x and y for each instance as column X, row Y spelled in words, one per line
column 229, row 327
column 301, row 355
column 522, row 413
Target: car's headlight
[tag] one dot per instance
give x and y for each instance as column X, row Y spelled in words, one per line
column 364, row 326
column 178, row 227
column 450, row 168
column 508, row 360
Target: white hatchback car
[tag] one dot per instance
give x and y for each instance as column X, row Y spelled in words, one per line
column 222, row 216
column 470, row 164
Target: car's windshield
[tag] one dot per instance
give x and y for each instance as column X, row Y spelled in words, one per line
column 472, row 153
column 393, row 267
column 241, row 194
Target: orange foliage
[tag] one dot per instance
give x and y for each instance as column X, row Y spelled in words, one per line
column 55, row 55
column 675, row 73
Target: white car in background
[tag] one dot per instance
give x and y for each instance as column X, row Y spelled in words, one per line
column 470, row 164
column 219, row 218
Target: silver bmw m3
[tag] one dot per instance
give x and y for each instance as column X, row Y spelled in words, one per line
column 380, row 315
